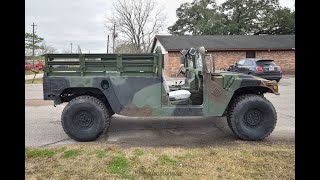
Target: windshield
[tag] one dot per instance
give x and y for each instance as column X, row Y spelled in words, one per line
column 198, row 61
column 266, row 63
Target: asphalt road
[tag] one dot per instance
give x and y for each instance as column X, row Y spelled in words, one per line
column 43, row 126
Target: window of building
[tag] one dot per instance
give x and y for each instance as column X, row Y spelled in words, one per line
column 250, row 54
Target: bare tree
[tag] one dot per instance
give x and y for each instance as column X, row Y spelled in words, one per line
column 126, row 48
column 65, row 51
column 137, row 21
column 46, row 49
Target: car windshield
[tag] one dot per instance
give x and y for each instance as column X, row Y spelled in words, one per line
column 198, row 61
column 266, row 63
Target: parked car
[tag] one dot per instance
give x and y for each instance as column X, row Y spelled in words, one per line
column 37, row 66
column 27, row 66
column 265, row 68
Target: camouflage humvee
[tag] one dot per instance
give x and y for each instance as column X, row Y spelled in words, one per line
column 100, row 85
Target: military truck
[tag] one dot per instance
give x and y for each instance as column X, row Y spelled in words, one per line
column 96, row 86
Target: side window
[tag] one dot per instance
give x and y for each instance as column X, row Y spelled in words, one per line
column 248, row 63
column 241, row 62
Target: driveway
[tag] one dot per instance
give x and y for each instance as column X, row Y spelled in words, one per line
column 43, row 126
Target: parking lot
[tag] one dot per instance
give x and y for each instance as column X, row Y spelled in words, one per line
column 43, row 126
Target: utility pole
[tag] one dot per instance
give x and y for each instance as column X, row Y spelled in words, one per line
column 33, row 25
column 114, row 37
column 71, row 47
column 108, row 45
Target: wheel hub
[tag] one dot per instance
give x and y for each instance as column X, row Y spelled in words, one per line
column 84, row 119
column 253, row 118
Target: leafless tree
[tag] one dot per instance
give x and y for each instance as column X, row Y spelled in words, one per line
column 137, row 21
column 126, row 48
column 46, row 49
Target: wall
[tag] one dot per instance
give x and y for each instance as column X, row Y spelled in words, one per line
column 285, row 59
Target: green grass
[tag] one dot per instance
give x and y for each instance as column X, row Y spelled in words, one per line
column 39, row 153
column 29, row 72
column 101, row 153
column 36, row 81
column 241, row 160
column 71, row 153
column 118, row 165
column 166, row 160
column 138, row 152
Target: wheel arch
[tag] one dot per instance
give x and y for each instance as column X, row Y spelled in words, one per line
column 258, row 90
column 72, row 92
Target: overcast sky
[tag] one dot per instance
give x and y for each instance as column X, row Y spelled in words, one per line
column 82, row 22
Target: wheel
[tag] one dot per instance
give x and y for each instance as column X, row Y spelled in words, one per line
column 252, row 117
column 85, row 118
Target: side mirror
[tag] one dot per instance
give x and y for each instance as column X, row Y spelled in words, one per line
column 183, row 52
column 192, row 51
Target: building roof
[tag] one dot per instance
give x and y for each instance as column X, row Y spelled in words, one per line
column 227, row 42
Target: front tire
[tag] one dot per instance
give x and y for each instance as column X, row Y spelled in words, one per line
column 252, row 117
column 85, row 118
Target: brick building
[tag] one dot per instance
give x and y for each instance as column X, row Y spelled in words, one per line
column 229, row 48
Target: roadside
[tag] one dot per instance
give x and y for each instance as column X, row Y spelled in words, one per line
column 40, row 75
column 35, row 81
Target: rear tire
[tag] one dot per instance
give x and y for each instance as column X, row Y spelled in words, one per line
column 252, row 117
column 85, row 118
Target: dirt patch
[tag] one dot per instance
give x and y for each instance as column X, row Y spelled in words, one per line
column 38, row 102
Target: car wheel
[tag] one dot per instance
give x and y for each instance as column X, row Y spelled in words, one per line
column 85, row 118
column 252, row 117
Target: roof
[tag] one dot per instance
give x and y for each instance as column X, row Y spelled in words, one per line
column 227, row 42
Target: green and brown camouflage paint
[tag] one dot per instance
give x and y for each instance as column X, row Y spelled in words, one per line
column 132, row 84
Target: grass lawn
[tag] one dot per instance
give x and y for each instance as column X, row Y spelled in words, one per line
column 245, row 160
column 36, row 81
column 29, row 72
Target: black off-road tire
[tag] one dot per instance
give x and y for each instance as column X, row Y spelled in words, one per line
column 84, row 118
column 251, row 117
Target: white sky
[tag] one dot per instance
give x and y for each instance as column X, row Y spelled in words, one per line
column 81, row 22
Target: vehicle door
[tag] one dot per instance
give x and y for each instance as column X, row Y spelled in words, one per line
column 239, row 66
column 247, row 66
